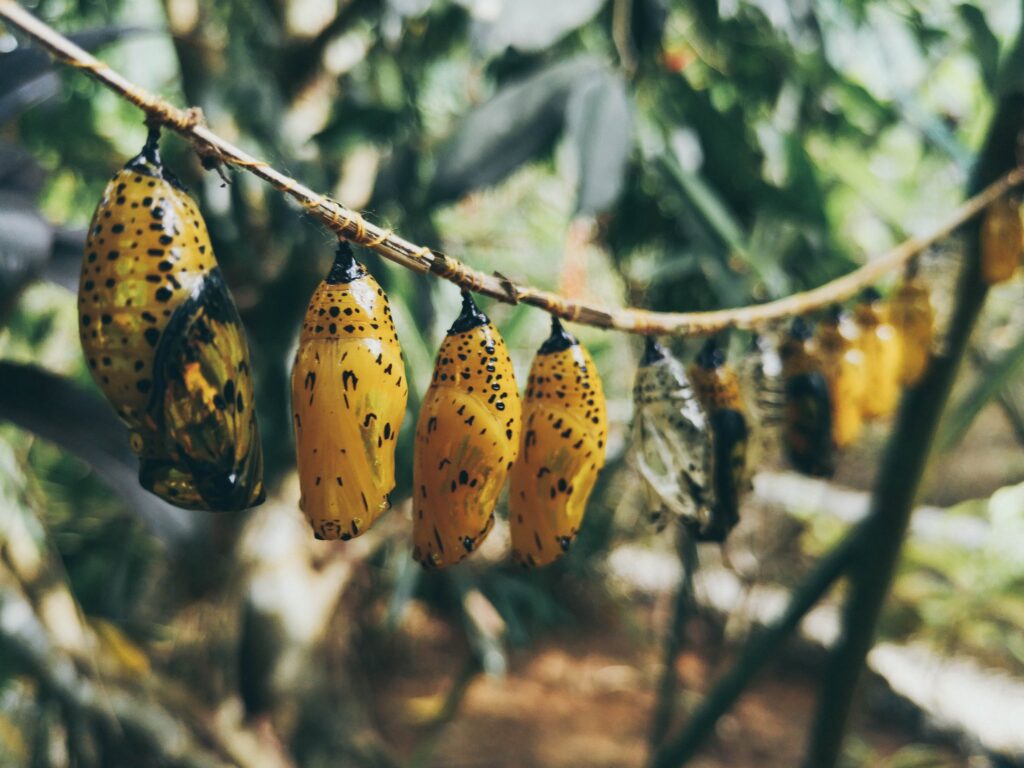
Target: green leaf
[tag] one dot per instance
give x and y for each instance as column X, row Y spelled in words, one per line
column 990, row 381
column 600, row 127
column 707, row 202
column 516, row 125
column 79, row 422
column 984, row 44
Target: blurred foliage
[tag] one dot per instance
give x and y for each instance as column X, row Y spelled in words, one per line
column 719, row 152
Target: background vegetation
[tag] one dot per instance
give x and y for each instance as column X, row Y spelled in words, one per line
column 676, row 156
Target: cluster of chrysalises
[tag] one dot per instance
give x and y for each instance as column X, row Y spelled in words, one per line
column 164, row 342
column 699, row 433
column 349, row 394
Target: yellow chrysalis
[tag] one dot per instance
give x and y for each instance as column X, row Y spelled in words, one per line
column 467, row 438
column 565, row 427
column 348, row 400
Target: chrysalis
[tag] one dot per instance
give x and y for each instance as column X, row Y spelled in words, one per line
column 912, row 314
column 1002, row 235
column 672, row 447
column 467, row 438
column 164, row 341
column 764, row 394
column 881, row 348
column 808, row 435
column 348, row 401
column 565, row 427
column 843, row 364
column 718, row 388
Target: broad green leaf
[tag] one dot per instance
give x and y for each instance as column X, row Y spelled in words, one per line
column 600, row 127
column 516, row 125
column 991, row 380
column 79, row 422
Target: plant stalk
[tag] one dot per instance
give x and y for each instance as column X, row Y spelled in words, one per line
column 904, row 462
column 675, row 639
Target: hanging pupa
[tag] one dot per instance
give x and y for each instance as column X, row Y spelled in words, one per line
column 808, row 433
column 565, row 426
column 881, row 347
column 164, row 341
column 467, row 439
column 913, row 316
column 718, row 388
column 1002, row 237
column 842, row 362
column 348, row 400
column 764, row 394
column 671, row 440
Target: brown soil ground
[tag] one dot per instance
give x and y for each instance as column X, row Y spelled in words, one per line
column 584, row 701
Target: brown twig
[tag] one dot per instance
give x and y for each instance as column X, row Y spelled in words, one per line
column 352, row 226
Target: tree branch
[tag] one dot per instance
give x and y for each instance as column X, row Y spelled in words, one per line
column 352, row 226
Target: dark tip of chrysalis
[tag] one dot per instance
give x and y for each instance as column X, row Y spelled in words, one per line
column 470, row 317
column 801, row 329
column 912, row 269
column 653, row 351
column 559, row 340
column 870, row 295
column 148, row 160
column 149, row 163
column 345, row 268
column 711, row 355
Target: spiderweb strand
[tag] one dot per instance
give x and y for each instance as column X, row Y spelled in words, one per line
column 351, row 225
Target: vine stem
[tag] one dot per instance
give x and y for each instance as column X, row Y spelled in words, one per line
column 351, row 225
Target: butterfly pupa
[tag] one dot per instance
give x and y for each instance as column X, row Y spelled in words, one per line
column 165, row 344
column 671, row 440
column 808, row 431
column 1002, row 238
column 467, row 438
column 845, row 370
column 718, row 388
column 349, row 393
column 913, row 316
column 881, row 347
column 565, row 426
column 764, row 395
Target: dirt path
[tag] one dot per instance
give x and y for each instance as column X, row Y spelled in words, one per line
column 583, row 700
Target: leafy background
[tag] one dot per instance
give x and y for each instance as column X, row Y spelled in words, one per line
column 673, row 156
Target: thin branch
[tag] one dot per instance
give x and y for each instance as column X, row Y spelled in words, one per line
column 665, row 705
column 352, row 226
column 762, row 646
